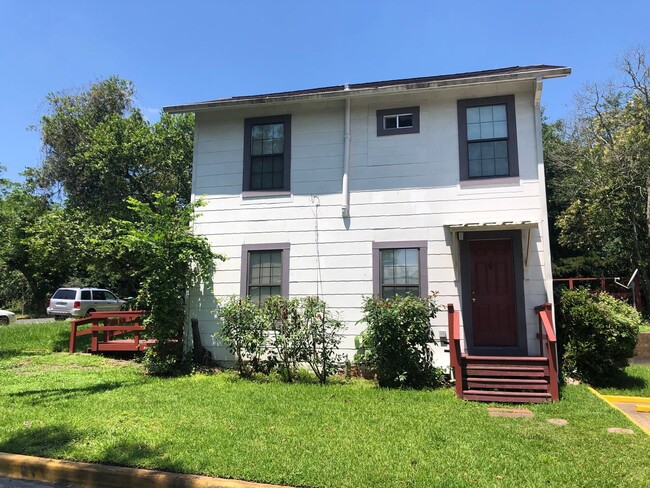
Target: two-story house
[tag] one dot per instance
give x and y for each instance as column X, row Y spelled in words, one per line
column 412, row 185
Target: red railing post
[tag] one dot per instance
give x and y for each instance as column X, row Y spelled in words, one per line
column 73, row 335
column 547, row 335
column 453, row 324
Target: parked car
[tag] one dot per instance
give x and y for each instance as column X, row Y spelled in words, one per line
column 7, row 317
column 79, row 302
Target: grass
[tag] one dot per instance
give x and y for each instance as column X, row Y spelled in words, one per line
column 91, row 408
column 644, row 328
column 634, row 381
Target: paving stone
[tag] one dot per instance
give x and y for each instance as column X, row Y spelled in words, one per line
column 560, row 422
column 619, row 430
column 510, row 412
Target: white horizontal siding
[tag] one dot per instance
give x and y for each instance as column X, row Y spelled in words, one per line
column 404, row 188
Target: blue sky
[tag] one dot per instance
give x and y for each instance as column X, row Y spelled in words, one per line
column 186, row 51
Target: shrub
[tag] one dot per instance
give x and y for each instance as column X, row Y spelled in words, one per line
column 283, row 322
column 243, row 331
column 598, row 334
column 285, row 331
column 320, row 337
column 396, row 341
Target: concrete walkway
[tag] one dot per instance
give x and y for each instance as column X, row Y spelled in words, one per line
column 82, row 475
column 627, row 405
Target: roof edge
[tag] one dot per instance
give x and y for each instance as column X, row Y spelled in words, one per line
column 381, row 87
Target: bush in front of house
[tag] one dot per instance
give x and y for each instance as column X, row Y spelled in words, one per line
column 283, row 333
column 597, row 332
column 243, row 331
column 396, row 343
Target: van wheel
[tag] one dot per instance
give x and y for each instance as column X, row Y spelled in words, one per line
column 59, row 317
column 90, row 310
column 4, row 320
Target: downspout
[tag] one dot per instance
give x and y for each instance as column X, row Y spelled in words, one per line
column 345, row 190
column 541, row 177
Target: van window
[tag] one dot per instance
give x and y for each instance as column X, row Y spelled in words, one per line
column 63, row 294
column 99, row 295
column 85, row 294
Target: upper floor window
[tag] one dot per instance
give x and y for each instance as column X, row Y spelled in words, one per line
column 400, row 268
column 487, row 137
column 267, row 154
column 398, row 121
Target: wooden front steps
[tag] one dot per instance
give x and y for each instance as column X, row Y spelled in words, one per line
column 506, row 379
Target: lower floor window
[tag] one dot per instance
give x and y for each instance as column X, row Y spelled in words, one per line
column 400, row 269
column 264, row 275
column 265, row 269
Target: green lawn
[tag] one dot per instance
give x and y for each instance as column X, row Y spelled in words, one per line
column 91, row 408
column 635, row 381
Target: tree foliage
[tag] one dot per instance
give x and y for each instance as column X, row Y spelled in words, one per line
column 170, row 260
column 599, row 175
column 100, row 150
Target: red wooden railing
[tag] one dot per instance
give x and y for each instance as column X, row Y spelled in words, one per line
column 548, row 346
column 453, row 322
column 608, row 285
column 105, row 326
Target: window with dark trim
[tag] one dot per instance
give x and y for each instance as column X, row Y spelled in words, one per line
column 267, row 154
column 398, row 121
column 264, row 271
column 487, row 132
column 400, row 268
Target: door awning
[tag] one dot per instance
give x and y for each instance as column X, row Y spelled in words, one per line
column 528, row 225
column 487, row 226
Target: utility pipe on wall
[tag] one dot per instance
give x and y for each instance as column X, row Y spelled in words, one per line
column 345, row 208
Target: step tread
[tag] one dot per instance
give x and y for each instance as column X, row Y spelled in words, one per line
column 510, row 398
column 522, row 394
column 532, row 359
column 504, row 367
column 487, row 379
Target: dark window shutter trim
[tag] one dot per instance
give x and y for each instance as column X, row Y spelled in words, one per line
column 513, row 153
column 414, row 129
column 275, row 119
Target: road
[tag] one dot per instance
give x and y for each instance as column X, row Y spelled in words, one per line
column 14, row 483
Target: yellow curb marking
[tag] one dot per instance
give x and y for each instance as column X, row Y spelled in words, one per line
column 627, row 399
column 605, row 398
column 642, row 408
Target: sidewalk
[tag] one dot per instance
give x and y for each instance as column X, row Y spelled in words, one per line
column 81, row 475
column 627, row 405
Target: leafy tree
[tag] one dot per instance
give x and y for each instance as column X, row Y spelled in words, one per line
column 100, row 150
column 170, row 260
column 607, row 206
column 37, row 242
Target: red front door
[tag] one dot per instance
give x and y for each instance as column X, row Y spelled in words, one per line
column 493, row 297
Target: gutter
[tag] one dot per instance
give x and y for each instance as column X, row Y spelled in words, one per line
column 343, row 93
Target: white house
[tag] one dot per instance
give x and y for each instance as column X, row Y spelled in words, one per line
column 422, row 184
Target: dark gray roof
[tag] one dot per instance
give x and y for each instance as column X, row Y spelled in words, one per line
column 543, row 70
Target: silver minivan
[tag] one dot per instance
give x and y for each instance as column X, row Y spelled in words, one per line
column 79, row 302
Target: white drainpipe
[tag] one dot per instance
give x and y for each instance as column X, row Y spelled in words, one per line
column 345, row 208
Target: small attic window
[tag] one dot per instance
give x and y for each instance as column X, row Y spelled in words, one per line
column 398, row 121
